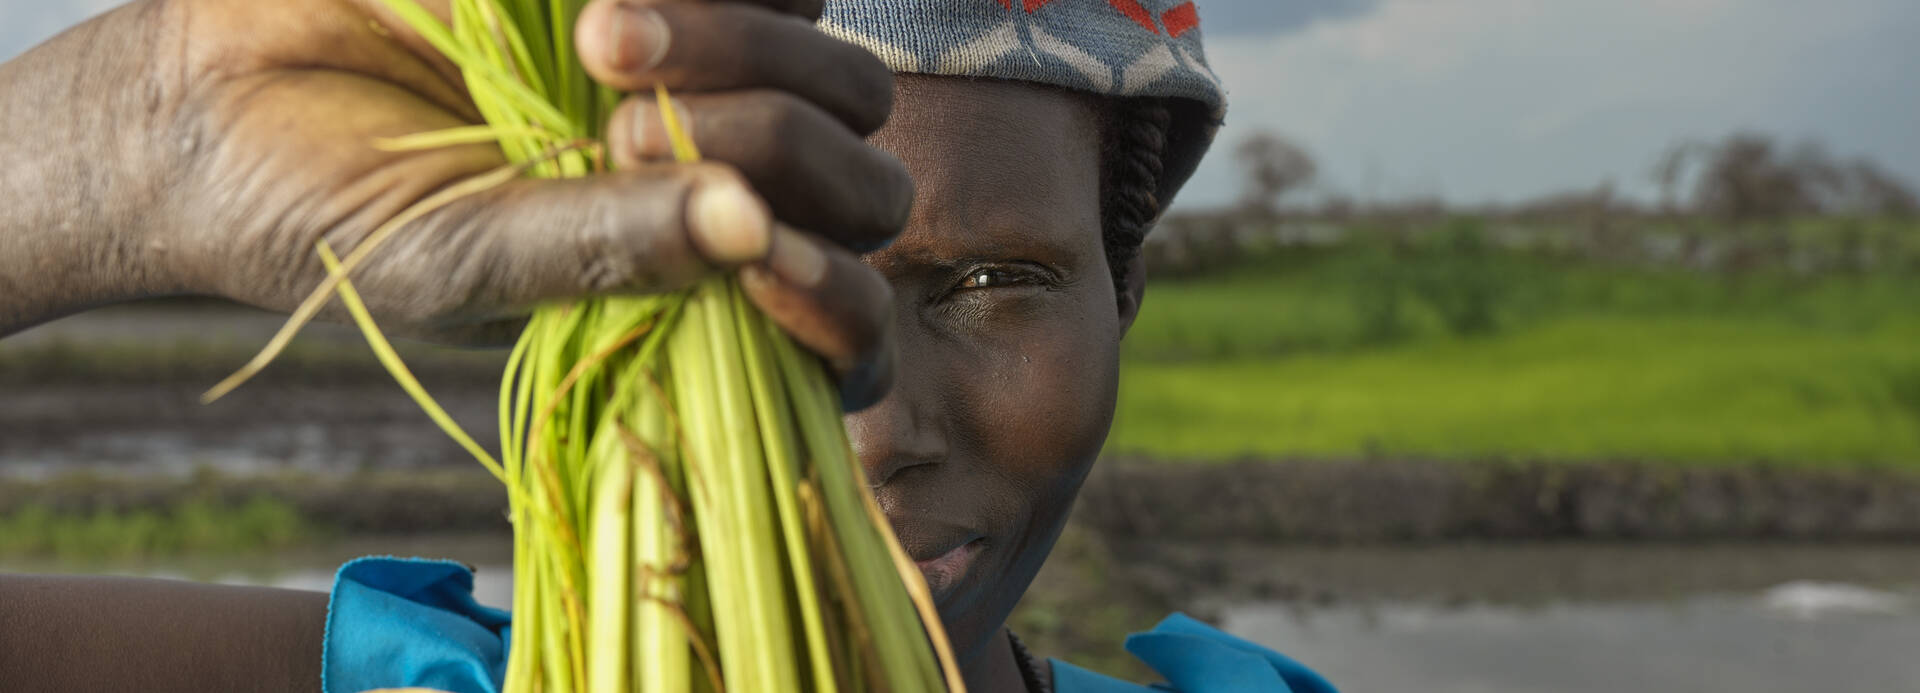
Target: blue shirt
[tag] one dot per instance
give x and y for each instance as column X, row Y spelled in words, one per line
column 404, row 622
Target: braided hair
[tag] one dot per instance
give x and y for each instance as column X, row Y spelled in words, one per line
column 1135, row 138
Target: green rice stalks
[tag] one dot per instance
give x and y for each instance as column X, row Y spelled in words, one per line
column 688, row 514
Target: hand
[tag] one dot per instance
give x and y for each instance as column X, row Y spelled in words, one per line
column 247, row 129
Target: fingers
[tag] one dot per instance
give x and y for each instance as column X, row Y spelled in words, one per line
column 496, row 254
column 764, row 91
column 832, row 304
column 814, row 173
column 688, row 47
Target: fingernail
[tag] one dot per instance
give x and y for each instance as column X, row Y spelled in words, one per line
column 640, row 124
column 728, row 225
column 639, row 37
column 649, row 131
column 796, row 260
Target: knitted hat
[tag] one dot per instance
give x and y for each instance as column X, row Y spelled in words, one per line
column 1145, row 48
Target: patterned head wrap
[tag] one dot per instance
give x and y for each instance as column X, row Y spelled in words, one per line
column 1133, row 48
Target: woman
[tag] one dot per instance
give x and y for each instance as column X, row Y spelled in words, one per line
column 203, row 146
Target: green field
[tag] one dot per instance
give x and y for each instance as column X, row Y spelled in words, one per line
column 1477, row 354
column 189, row 526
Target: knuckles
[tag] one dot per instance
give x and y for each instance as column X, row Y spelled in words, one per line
column 633, row 231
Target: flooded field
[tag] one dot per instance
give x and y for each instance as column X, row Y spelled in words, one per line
column 1779, row 640
column 1571, row 619
column 160, row 429
column 115, row 392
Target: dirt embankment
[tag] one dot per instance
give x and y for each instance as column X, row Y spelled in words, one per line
column 1374, row 501
column 1265, row 502
column 408, row 502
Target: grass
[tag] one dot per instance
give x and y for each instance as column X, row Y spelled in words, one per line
column 195, row 526
column 1573, row 361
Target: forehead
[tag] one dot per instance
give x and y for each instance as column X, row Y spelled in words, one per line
column 990, row 154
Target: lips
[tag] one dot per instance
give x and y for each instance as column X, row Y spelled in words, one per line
column 946, row 571
column 945, row 552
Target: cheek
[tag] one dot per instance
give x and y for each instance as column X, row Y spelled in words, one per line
column 1051, row 387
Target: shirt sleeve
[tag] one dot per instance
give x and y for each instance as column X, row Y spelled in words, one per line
column 406, row 622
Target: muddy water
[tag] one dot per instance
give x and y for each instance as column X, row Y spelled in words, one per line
column 1793, row 638
column 1579, row 617
column 116, row 392
column 162, row 430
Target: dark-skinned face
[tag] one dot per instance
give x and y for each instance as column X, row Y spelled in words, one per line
column 1008, row 336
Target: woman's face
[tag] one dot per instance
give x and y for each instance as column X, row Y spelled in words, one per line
column 1008, row 330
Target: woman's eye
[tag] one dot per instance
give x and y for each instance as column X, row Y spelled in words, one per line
column 1003, row 277
column 993, row 277
column 985, row 279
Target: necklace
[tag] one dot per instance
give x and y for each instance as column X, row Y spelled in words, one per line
column 1029, row 672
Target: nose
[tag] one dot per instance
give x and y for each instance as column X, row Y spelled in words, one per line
column 905, row 430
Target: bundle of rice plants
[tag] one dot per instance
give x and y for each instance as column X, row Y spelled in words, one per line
column 687, row 511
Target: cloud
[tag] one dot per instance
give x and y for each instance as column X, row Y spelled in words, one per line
column 1273, row 17
column 1497, row 100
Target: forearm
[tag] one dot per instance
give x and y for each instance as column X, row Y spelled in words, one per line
column 71, row 220
column 122, row 634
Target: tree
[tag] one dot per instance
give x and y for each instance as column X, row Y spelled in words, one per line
column 1670, row 169
column 1749, row 176
column 1273, row 167
column 1876, row 191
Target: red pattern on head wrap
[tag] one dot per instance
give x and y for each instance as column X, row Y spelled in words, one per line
column 1180, row 19
column 1139, row 15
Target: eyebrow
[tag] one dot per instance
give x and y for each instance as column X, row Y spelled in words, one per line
column 995, row 241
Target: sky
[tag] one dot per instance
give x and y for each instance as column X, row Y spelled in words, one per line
column 1499, row 100
column 1482, row 101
